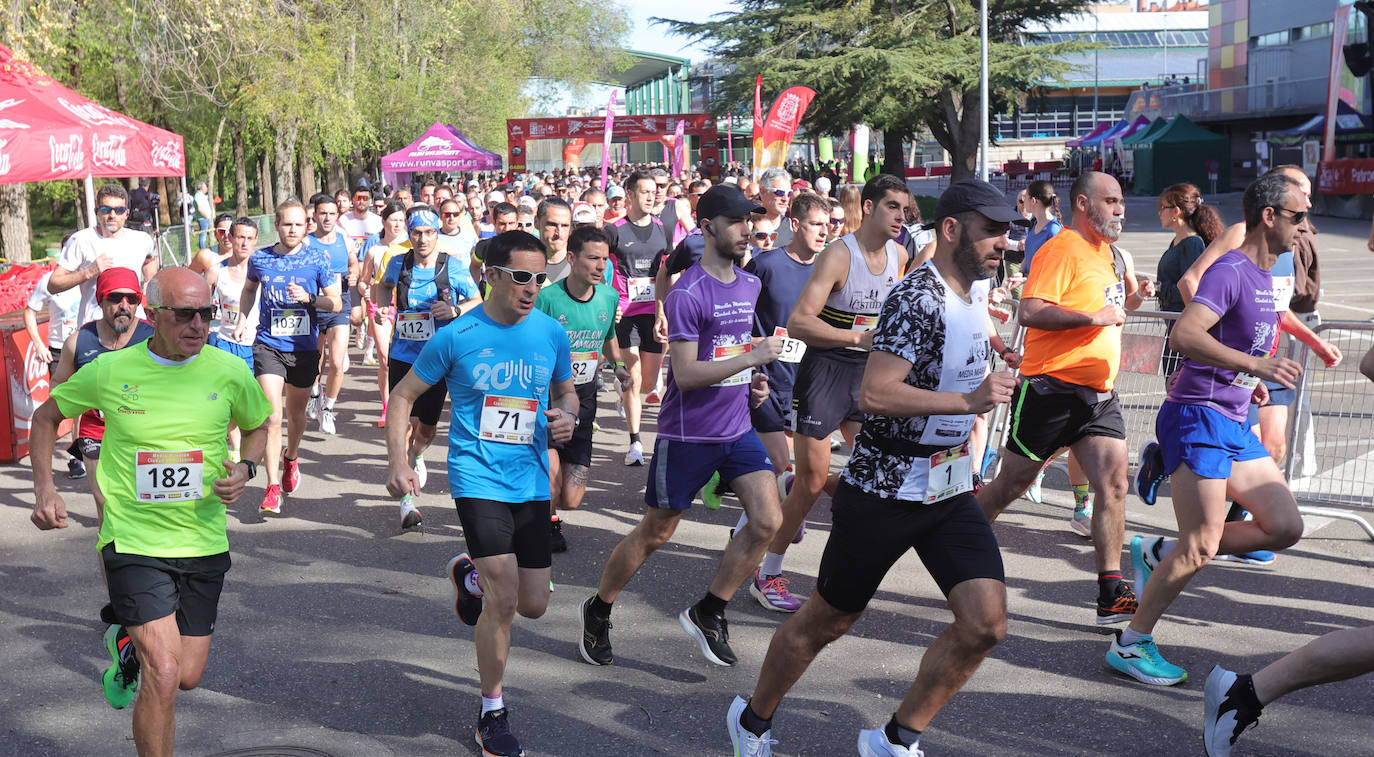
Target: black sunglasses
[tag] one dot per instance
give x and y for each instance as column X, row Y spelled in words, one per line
column 1296, row 216
column 118, row 210
column 114, row 298
column 521, row 277
column 185, row 315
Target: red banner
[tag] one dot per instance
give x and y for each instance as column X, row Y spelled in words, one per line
column 1346, row 177
column 781, row 126
column 633, row 128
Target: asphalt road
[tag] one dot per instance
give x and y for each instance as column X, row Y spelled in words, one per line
column 336, row 633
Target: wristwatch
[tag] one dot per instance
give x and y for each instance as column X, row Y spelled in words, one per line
column 252, row 468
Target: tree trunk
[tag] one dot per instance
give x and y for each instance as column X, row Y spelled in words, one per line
column 213, row 174
column 164, row 201
column 894, row 162
column 81, row 220
column 284, row 180
column 959, row 134
column 337, row 178
column 15, row 244
column 308, row 186
column 240, row 174
column 265, row 182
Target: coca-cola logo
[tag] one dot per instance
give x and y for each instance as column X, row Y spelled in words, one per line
column 5, row 123
column 168, row 155
column 95, row 114
column 66, row 155
column 109, row 153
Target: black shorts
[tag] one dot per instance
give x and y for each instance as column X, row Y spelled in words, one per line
column 56, row 358
column 429, row 405
column 1047, row 416
column 499, row 528
column 300, row 369
column 85, row 448
column 578, row 449
column 143, row 589
column 827, row 392
column 869, row 534
column 328, row 320
column 637, row 331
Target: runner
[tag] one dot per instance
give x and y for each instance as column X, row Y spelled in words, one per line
column 1225, row 335
column 296, row 283
column 431, row 289
column 834, row 317
column 908, row 485
column 1073, row 306
column 503, row 219
column 361, row 222
column 507, row 370
column 334, row 325
column 62, row 310
column 457, row 236
column 703, row 428
column 554, row 224
column 638, row 244
column 208, row 258
column 106, row 244
column 379, row 320
column 167, row 479
column 226, row 281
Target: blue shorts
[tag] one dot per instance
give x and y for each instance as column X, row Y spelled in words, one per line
column 1278, row 395
column 240, row 350
column 775, row 414
column 330, row 320
column 679, row 469
column 1206, row 440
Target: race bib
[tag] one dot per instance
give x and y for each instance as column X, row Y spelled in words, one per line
column 508, row 420
column 863, row 323
column 951, row 473
column 1283, row 292
column 727, row 351
column 1114, row 294
column 415, row 327
column 584, row 367
column 290, row 322
column 641, row 289
column 1245, row 381
column 229, row 316
column 792, row 349
column 168, row 476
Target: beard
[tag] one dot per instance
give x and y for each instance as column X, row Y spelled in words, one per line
column 1107, row 227
column 967, row 260
column 123, row 321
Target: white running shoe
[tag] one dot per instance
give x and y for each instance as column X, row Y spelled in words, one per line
column 312, row 408
column 746, row 744
column 874, row 743
column 410, row 514
column 635, row 456
column 327, row 422
column 421, row 472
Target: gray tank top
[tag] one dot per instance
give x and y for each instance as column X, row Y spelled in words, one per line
column 856, row 305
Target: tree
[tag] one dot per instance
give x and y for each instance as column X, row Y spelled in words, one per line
column 897, row 66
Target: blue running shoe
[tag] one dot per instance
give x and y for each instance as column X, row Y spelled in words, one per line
column 1258, row 557
column 1151, row 473
column 1144, row 558
column 1143, row 662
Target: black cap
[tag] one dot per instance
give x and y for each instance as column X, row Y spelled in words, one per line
column 726, row 200
column 972, row 194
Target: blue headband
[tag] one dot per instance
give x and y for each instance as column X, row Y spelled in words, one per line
column 422, row 218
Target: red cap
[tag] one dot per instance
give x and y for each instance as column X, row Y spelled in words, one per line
column 113, row 279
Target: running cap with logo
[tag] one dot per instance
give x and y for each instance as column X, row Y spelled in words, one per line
column 980, row 196
column 116, row 279
column 726, row 200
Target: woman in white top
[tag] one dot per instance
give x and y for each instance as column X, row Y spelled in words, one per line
column 379, row 321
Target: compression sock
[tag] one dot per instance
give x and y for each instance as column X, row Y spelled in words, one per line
column 1081, row 494
column 898, row 734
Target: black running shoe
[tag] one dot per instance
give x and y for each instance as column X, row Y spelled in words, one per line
column 595, row 644
column 467, row 604
column 76, row 468
column 494, row 736
column 712, row 634
column 1120, row 608
column 557, row 542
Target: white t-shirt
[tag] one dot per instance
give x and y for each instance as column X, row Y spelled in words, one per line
column 359, row 229
column 62, row 308
column 129, row 250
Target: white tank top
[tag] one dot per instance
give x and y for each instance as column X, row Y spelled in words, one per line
column 856, row 305
column 228, row 289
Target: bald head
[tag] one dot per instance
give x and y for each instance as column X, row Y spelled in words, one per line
column 1098, row 207
column 178, row 287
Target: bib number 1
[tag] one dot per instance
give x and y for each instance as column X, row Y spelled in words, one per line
column 951, row 473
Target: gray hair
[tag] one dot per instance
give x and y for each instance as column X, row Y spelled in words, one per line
column 1268, row 191
column 771, row 175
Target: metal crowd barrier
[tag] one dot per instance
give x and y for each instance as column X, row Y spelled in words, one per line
column 171, row 240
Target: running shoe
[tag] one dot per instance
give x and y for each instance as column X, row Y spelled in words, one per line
column 1082, row 522
column 1143, row 662
column 710, row 493
column 874, row 743
column 557, row 541
column 410, row 514
column 712, row 634
column 381, row 422
column 271, row 500
column 1151, row 473
column 369, row 358
column 635, row 456
column 467, row 603
column 290, row 475
column 835, row 443
column 745, row 743
column 772, row 593
column 1034, row 493
column 494, row 737
column 327, row 422
column 1144, row 558
column 1122, row 607
column 1225, row 713
column 785, row 482
column 312, row 408
column 120, row 680
column 595, row 644
column 421, row 472
column 653, row 398
column 76, row 469
column 1258, row 557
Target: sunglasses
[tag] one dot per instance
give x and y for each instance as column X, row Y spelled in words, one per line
column 1296, row 216
column 765, row 235
column 782, row 193
column 118, row 210
column 524, row 225
column 186, row 315
column 114, row 298
column 453, row 215
column 837, row 222
column 522, row 278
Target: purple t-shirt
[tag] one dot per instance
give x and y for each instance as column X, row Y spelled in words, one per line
column 719, row 317
column 1239, row 292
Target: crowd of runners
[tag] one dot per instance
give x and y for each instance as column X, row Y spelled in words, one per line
column 770, row 323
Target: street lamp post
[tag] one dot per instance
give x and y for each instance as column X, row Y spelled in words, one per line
column 983, row 94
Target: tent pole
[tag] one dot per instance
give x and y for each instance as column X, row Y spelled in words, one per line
column 90, row 200
column 186, row 223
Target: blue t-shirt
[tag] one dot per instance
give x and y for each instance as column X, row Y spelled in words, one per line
column 1034, row 239
column 369, row 243
column 498, row 379
column 410, row 334
column 783, row 279
column 336, row 250
column 307, row 267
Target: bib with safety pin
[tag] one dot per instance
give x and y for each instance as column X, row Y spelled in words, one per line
column 415, row 327
column 727, row 351
column 792, row 349
column 290, row 322
column 584, row 366
column 951, row 473
column 508, row 420
column 641, row 289
column 169, row 476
